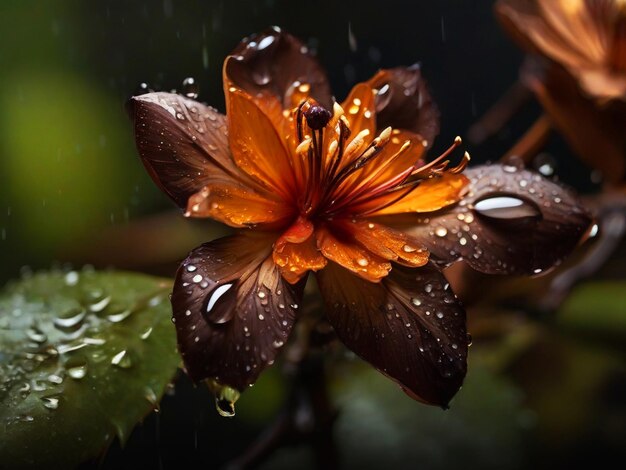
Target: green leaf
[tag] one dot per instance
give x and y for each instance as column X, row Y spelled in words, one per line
column 83, row 357
column 596, row 307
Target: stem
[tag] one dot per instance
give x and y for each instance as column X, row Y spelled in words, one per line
column 499, row 114
column 532, row 141
column 308, row 416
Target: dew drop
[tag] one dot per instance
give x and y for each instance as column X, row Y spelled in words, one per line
column 101, row 305
column 71, row 278
column 119, row 316
column 507, row 208
column 362, row 262
column 190, row 88
column 265, row 42
column 146, row 334
column 122, row 359
column 52, row 403
column 77, row 371
column 191, row 268
column 220, row 304
column 415, row 301
column 441, row 231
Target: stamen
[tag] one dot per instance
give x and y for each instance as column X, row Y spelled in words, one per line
column 437, row 165
column 303, row 147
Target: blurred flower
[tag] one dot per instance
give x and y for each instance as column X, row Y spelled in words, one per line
column 335, row 192
column 587, row 37
column 580, row 77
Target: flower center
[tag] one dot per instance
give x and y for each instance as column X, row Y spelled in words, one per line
column 338, row 172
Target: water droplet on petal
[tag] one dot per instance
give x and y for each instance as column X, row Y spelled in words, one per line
column 441, row 231
column 507, row 208
column 190, row 88
column 220, row 303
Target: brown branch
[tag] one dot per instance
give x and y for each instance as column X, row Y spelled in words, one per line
column 532, row 141
column 499, row 114
column 308, row 416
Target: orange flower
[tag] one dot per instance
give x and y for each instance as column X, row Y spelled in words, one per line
column 587, row 37
column 312, row 185
column 581, row 82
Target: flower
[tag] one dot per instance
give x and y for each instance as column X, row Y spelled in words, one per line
column 581, row 81
column 587, row 37
column 314, row 186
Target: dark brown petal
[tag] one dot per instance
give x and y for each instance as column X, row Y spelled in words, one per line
column 512, row 221
column 275, row 63
column 403, row 102
column 596, row 133
column 410, row 326
column 232, row 310
column 182, row 143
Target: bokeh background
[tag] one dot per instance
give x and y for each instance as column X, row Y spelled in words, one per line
column 543, row 390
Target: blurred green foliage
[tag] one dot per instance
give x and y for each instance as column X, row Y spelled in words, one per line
column 84, row 356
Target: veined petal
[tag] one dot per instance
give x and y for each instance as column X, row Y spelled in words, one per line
column 296, row 259
column 525, row 21
column 182, row 143
column 409, row 326
column 233, row 311
column 257, row 147
column 595, row 133
column 236, row 206
column 387, row 243
column 360, row 110
column 352, row 256
column 513, row 221
column 276, row 64
column 403, row 102
column 431, row 195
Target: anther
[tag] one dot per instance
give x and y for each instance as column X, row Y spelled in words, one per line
column 317, row 116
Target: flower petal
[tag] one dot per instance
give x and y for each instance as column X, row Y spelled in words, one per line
column 595, row 133
column 431, row 195
column 513, row 221
column 387, row 243
column 236, row 206
column 182, row 143
column 403, row 102
column 409, row 326
column 296, row 259
column 340, row 248
column 276, row 65
column 529, row 26
column 359, row 110
column 257, row 147
column 232, row 310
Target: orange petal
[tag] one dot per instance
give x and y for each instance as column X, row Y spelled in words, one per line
column 360, row 108
column 352, row 256
column 235, row 206
column 430, row 195
column 296, row 259
column 388, row 243
column 257, row 147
